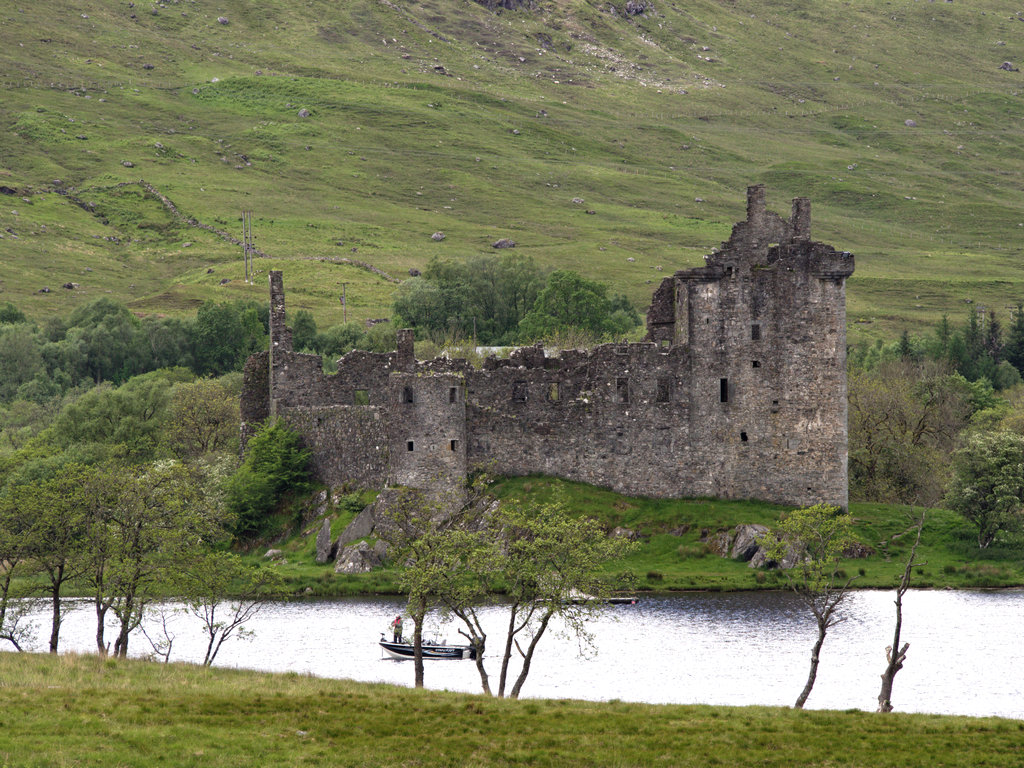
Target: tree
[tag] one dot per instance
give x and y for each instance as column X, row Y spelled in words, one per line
column 161, row 517
column 987, row 486
column 275, row 463
column 22, row 358
column 224, row 594
column 225, row 335
column 570, row 301
column 543, row 559
column 894, row 654
column 202, row 417
column 904, row 419
column 14, row 563
column 303, row 330
column 56, row 537
column 814, row 538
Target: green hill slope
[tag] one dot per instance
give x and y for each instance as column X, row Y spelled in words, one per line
column 893, row 117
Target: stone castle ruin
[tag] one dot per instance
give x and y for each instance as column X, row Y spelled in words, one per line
column 738, row 391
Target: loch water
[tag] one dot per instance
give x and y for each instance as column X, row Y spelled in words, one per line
column 966, row 652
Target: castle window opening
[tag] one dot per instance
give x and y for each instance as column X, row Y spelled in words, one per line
column 519, row 392
column 361, row 397
column 723, row 390
column 453, row 394
column 755, row 363
column 453, row 445
column 755, row 332
column 622, row 390
column 553, row 392
column 407, row 397
column 665, row 343
column 409, row 445
column 664, row 394
column 743, row 437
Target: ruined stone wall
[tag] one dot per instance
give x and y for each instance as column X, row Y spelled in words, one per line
column 739, row 391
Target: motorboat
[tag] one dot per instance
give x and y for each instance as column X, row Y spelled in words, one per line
column 431, row 650
column 580, row 598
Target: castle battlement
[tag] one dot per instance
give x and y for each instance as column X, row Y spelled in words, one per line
column 738, row 391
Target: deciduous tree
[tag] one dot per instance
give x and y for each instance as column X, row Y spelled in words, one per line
column 987, row 486
column 815, row 538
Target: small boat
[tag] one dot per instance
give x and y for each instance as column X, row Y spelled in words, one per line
column 580, row 598
column 431, row 650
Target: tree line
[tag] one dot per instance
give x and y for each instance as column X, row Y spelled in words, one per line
column 939, row 420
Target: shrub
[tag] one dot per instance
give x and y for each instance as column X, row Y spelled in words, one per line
column 275, row 464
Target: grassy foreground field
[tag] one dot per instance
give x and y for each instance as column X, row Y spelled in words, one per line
column 85, row 711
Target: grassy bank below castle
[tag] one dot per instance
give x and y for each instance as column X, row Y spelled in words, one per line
column 83, row 711
column 671, row 555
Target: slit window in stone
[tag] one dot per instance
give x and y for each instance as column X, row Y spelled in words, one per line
column 407, row 396
column 755, row 363
column 453, row 445
column 453, row 394
column 723, row 390
column 519, row 392
column 743, row 437
column 755, row 332
column 664, row 394
column 361, row 397
column 553, row 392
column 409, row 445
column 622, row 390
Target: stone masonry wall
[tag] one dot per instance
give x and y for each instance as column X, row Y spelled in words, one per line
column 738, row 392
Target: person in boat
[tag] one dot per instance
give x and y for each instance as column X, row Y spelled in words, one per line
column 396, row 630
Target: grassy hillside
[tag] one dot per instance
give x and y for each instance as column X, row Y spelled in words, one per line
column 672, row 555
column 893, row 117
column 132, row 713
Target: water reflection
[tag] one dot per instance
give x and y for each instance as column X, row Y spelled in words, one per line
column 733, row 648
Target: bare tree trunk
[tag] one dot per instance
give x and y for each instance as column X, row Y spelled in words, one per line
column 894, row 654
column 507, row 653
column 101, row 616
column 815, row 658
column 418, row 616
column 528, row 656
column 56, row 580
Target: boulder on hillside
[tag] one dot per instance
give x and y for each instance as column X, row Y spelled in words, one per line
column 361, row 527
column 504, row 243
column 325, row 549
column 747, row 541
column 360, row 558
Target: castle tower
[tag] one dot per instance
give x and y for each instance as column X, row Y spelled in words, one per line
column 427, row 430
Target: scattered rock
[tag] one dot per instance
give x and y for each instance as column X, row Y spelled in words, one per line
column 858, row 550
column 503, row 243
column 325, row 549
column 44, row 289
column 222, row 20
column 187, row 244
column 624, row 533
column 148, row 66
column 591, row 212
column 635, row 7
column 1008, row 66
column 630, row 259
column 70, row 286
column 910, row 123
column 127, row 163
column 413, row 272
column 578, row 200
column 209, row 271
column 5, row 190
column 515, row 131
column 681, row 530
column 719, row 543
column 360, row 558
column 437, row 236
column 303, row 112
column 225, row 281
column 273, row 554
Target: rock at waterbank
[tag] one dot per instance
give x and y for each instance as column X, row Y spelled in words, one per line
column 360, row 557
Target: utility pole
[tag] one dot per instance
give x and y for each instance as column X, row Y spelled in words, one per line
column 344, row 303
column 248, row 245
